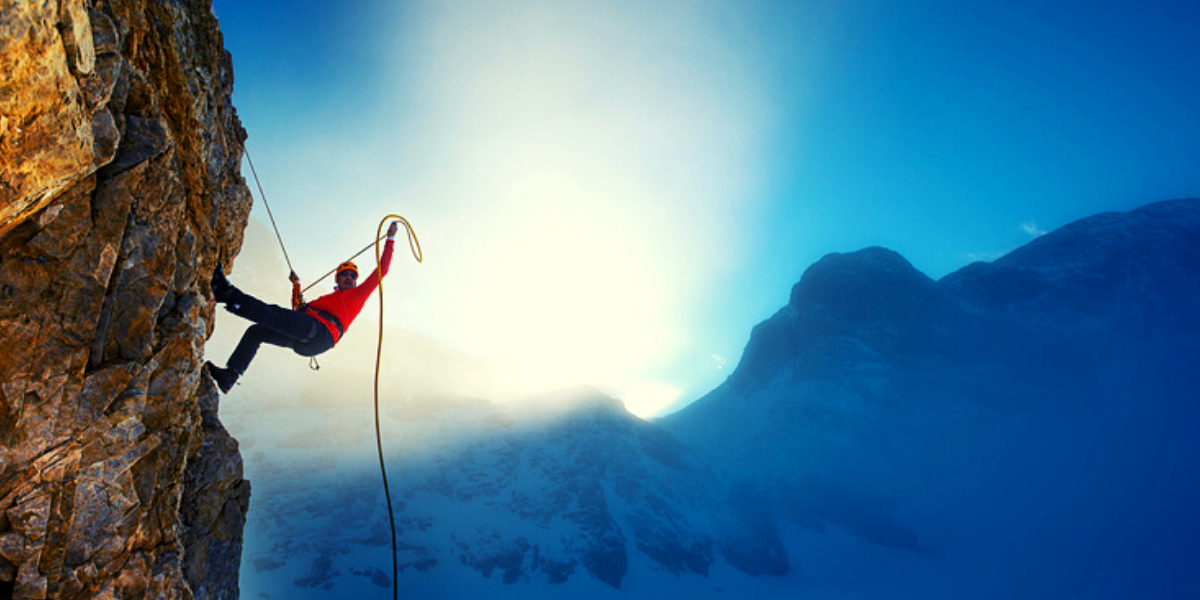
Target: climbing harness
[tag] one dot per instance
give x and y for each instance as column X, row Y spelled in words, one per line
column 415, row 245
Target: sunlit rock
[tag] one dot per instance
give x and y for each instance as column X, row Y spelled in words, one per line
column 119, row 191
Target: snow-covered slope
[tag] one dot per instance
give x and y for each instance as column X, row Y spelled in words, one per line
column 567, row 492
column 1046, row 403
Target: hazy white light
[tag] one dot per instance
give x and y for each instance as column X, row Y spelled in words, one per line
column 649, row 399
column 584, row 169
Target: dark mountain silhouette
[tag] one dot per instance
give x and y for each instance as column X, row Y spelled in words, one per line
column 1057, row 383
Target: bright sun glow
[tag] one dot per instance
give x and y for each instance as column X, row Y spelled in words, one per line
column 572, row 220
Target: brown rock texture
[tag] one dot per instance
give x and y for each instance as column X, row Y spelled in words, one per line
column 120, row 190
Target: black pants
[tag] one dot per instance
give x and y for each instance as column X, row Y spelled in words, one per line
column 277, row 326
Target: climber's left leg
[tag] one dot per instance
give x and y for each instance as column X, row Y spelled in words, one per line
column 294, row 324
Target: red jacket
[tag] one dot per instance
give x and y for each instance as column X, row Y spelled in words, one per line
column 346, row 304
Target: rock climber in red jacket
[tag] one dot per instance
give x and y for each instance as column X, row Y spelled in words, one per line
column 308, row 329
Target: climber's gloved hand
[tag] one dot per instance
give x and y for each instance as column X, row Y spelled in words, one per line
column 294, row 278
column 392, row 229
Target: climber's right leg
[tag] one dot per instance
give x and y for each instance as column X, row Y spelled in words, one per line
column 255, row 336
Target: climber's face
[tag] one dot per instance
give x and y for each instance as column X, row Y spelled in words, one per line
column 347, row 279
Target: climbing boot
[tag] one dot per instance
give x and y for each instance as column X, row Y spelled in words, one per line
column 222, row 290
column 224, row 378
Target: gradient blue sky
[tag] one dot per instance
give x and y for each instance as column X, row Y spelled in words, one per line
column 617, row 192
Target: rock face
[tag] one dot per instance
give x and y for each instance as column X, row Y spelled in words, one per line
column 119, row 192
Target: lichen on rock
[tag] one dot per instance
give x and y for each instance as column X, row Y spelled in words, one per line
column 120, row 189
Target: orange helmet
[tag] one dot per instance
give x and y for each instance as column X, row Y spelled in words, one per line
column 348, row 266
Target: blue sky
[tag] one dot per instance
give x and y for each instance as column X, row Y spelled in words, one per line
column 616, row 192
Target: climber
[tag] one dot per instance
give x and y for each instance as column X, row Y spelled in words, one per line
column 308, row 329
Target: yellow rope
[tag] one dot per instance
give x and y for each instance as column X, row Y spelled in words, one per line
column 415, row 245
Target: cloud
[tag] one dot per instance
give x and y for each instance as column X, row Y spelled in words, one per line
column 983, row 256
column 1032, row 229
column 719, row 361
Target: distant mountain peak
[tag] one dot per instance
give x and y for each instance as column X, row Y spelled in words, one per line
column 860, row 285
column 574, row 401
column 872, row 299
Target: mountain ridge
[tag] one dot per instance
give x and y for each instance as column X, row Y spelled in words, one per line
column 874, row 380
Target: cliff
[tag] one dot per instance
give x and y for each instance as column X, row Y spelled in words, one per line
column 119, row 192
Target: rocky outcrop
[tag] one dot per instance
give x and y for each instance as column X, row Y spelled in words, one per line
column 119, row 191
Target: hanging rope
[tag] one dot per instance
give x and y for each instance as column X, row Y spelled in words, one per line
column 416, row 247
column 263, row 195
